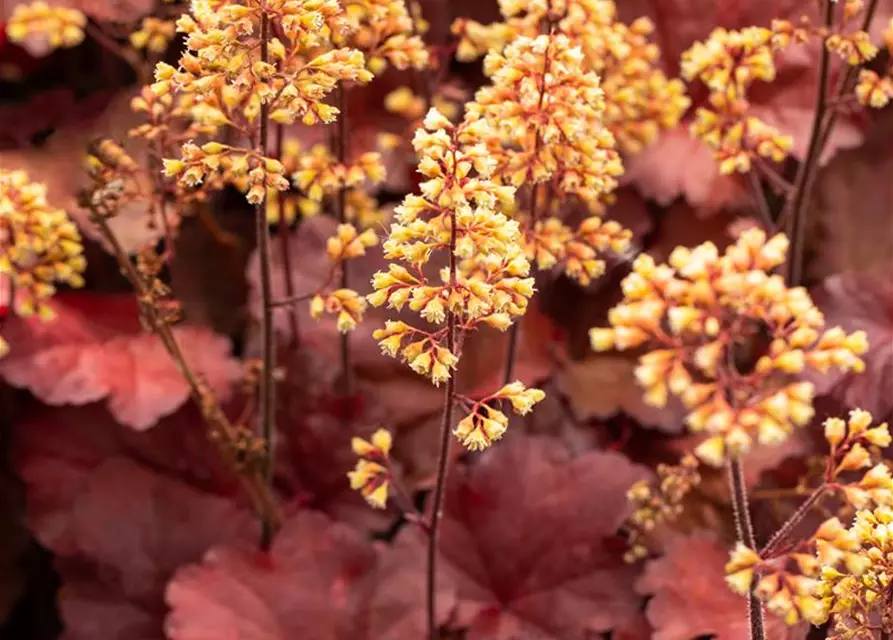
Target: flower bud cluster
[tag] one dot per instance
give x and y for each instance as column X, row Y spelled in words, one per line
column 40, row 246
column 372, row 475
column 639, row 99
column 346, row 304
column 854, row 588
column 61, row 26
column 813, row 578
column 855, row 446
column 546, row 118
column 875, row 90
column 728, row 63
column 237, row 69
column 319, row 175
column 695, row 314
column 485, row 423
column 154, row 35
column 654, row 505
column 384, row 31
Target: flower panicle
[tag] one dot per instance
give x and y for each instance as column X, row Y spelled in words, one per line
column 456, row 216
column 690, row 312
column 233, row 81
column 40, row 246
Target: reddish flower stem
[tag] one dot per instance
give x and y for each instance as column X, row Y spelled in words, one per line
column 762, row 205
column 267, row 391
column 221, row 429
column 339, row 141
column 847, row 81
column 744, row 529
column 795, row 212
column 444, row 455
column 285, row 248
column 782, row 534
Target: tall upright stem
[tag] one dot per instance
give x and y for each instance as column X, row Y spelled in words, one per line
column 285, row 248
column 515, row 330
column 795, row 212
column 744, row 529
column 340, row 143
column 444, row 455
column 267, row 404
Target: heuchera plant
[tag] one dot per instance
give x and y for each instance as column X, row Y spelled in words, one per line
column 542, row 228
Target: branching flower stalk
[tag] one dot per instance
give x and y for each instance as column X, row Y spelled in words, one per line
column 701, row 316
column 239, row 447
column 483, row 283
column 795, row 211
column 546, row 60
column 247, row 65
column 267, row 389
column 729, row 63
column 545, row 116
column 829, row 573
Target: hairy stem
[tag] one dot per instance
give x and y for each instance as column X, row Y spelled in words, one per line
column 340, row 143
column 267, row 406
column 222, row 431
column 285, row 248
column 795, row 212
column 744, row 529
column 779, row 537
column 444, row 455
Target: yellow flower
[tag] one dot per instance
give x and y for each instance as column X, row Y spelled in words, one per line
column 372, row 474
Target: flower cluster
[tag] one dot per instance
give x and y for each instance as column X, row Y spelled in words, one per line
column 154, row 35
column 546, row 119
column 40, row 246
column 852, row 445
column 344, row 303
column 372, row 475
column 787, row 583
column 319, row 175
column 700, row 314
column 728, row 63
column 855, row 587
column 237, row 72
column 384, row 31
column 61, row 26
column 876, row 90
column 656, row 505
column 485, row 423
column 799, row 582
column 486, row 281
column 640, row 99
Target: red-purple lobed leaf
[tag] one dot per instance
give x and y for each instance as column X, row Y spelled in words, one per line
column 121, row 511
column 528, row 537
column 690, row 599
column 321, row 581
column 94, row 349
